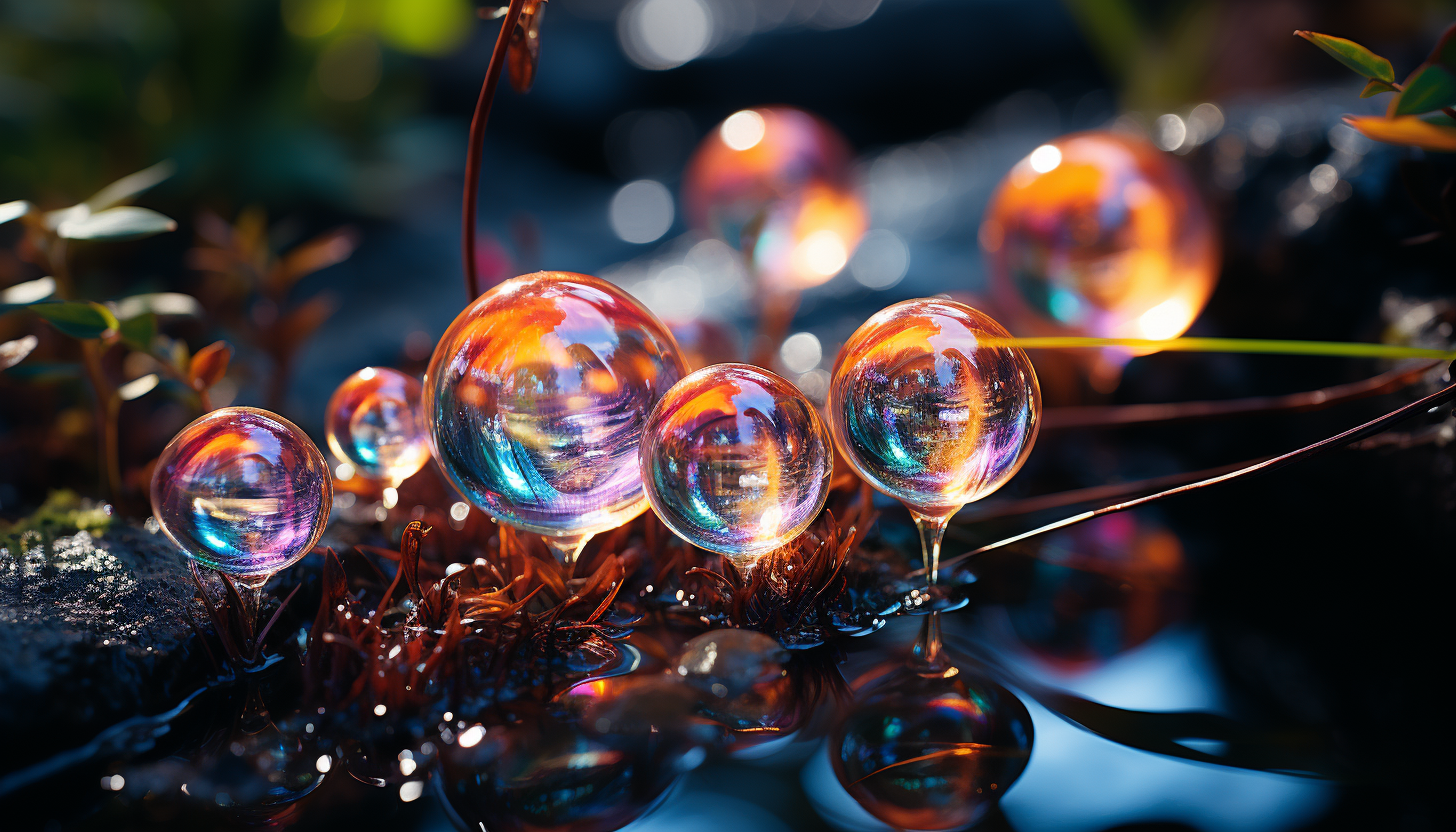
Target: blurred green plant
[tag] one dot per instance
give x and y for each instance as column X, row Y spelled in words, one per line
column 1421, row 113
column 246, row 286
column 129, row 324
column 63, row 512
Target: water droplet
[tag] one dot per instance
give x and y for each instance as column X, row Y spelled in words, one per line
column 1111, row 241
column 536, row 398
column 931, row 752
column 242, row 491
column 374, row 424
column 736, row 460
column 927, row 412
column 777, row 180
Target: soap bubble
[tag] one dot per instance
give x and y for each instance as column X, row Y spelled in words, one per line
column 926, row 751
column 775, row 181
column 929, row 413
column 374, row 423
column 536, row 398
column 735, row 460
column 1100, row 234
column 242, row 491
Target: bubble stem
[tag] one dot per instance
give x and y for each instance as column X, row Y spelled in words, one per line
column 234, row 618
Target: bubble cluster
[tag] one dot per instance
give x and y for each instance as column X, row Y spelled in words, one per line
column 536, row 397
column 775, row 181
column 931, row 752
column 374, row 422
column 735, row 460
column 929, row 412
column 1100, row 234
column 242, row 491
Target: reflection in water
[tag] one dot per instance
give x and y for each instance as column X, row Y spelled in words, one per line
column 737, row 461
column 242, row 491
column 931, row 751
column 537, row 395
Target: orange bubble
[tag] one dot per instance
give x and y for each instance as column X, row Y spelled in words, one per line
column 1100, row 234
column 776, row 182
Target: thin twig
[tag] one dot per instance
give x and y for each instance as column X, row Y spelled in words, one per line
column 1353, row 435
column 1062, row 418
column 477, row 137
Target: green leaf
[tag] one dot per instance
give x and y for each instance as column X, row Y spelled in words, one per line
column 14, row 352
column 124, row 223
column 138, row 332
column 13, row 210
column 1376, row 87
column 1431, row 88
column 127, row 187
column 76, row 318
column 1352, row 55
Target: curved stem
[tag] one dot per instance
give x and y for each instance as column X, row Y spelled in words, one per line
column 932, row 532
column 477, row 136
column 1368, row 429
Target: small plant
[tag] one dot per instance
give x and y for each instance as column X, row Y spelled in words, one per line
column 1420, row 113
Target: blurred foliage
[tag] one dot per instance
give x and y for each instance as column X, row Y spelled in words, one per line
column 63, row 512
column 1165, row 54
column 257, row 100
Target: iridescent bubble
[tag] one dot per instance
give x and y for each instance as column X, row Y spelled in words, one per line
column 927, row 411
column 926, row 751
column 536, row 398
column 776, row 182
column 374, row 422
column 1100, row 234
column 735, row 460
column 242, row 491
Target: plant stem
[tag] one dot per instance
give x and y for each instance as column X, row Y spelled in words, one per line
column 105, row 404
column 1353, row 435
column 477, row 137
column 1061, row 418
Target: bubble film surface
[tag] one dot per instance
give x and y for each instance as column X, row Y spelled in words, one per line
column 926, row 752
column 242, row 491
column 536, row 398
column 736, row 460
column 1100, row 234
column 775, row 181
column 375, row 423
column 928, row 413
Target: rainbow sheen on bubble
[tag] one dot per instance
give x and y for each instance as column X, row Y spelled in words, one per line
column 776, row 182
column 536, row 397
column 374, row 422
column 1100, row 234
column 242, row 491
column 736, row 460
column 926, row 751
column 929, row 412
